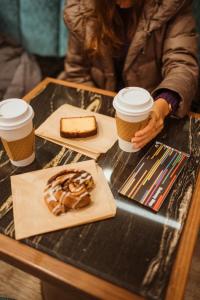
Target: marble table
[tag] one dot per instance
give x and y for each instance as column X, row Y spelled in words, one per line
column 136, row 255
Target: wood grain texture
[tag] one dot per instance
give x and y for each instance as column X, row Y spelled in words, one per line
column 181, row 267
column 18, row 285
column 56, row 272
column 22, row 286
column 42, row 85
column 192, row 291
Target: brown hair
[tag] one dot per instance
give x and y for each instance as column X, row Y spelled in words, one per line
column 108, row 26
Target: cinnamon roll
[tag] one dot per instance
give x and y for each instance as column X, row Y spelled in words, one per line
column 68, row 189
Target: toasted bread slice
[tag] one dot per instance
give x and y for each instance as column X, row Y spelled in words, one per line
column 78, row 127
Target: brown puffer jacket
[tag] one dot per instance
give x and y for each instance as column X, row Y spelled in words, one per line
column 162, row 54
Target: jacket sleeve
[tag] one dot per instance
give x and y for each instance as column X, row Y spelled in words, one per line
column 179, row 62
column 77, row 65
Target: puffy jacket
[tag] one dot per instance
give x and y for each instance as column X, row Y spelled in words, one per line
column 162, row 53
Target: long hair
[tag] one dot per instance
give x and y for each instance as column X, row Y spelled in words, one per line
column 107, row 27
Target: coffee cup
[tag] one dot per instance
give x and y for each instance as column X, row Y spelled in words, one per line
column 16, row 131
column 133, row 106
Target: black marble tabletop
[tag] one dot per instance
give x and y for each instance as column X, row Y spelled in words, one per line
column 136, row 249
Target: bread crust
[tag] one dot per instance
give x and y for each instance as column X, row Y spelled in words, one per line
column 84, row 134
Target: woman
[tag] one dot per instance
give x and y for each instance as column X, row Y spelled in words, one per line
column 146, row 43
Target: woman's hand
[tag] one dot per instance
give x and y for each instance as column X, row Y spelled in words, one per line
column 160, row 110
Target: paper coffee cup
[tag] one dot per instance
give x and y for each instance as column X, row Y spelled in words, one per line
column 16, row 131
column 133, row 106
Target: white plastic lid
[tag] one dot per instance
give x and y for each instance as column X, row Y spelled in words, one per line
column 133, row 101
column 14, row 113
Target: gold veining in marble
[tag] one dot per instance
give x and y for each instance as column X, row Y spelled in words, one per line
column 55, row 161
column 10, row 229
column 95, row 105
column 5, row 207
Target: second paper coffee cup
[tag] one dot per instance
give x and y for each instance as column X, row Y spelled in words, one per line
column 133, row 106
column 16, row 131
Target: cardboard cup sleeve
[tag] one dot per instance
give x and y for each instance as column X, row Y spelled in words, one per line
column 20, row 149
column 126, row 130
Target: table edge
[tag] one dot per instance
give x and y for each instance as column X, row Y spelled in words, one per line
column 36, row 262
column 180, row 270
column 51, row 269
column 42, row 85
